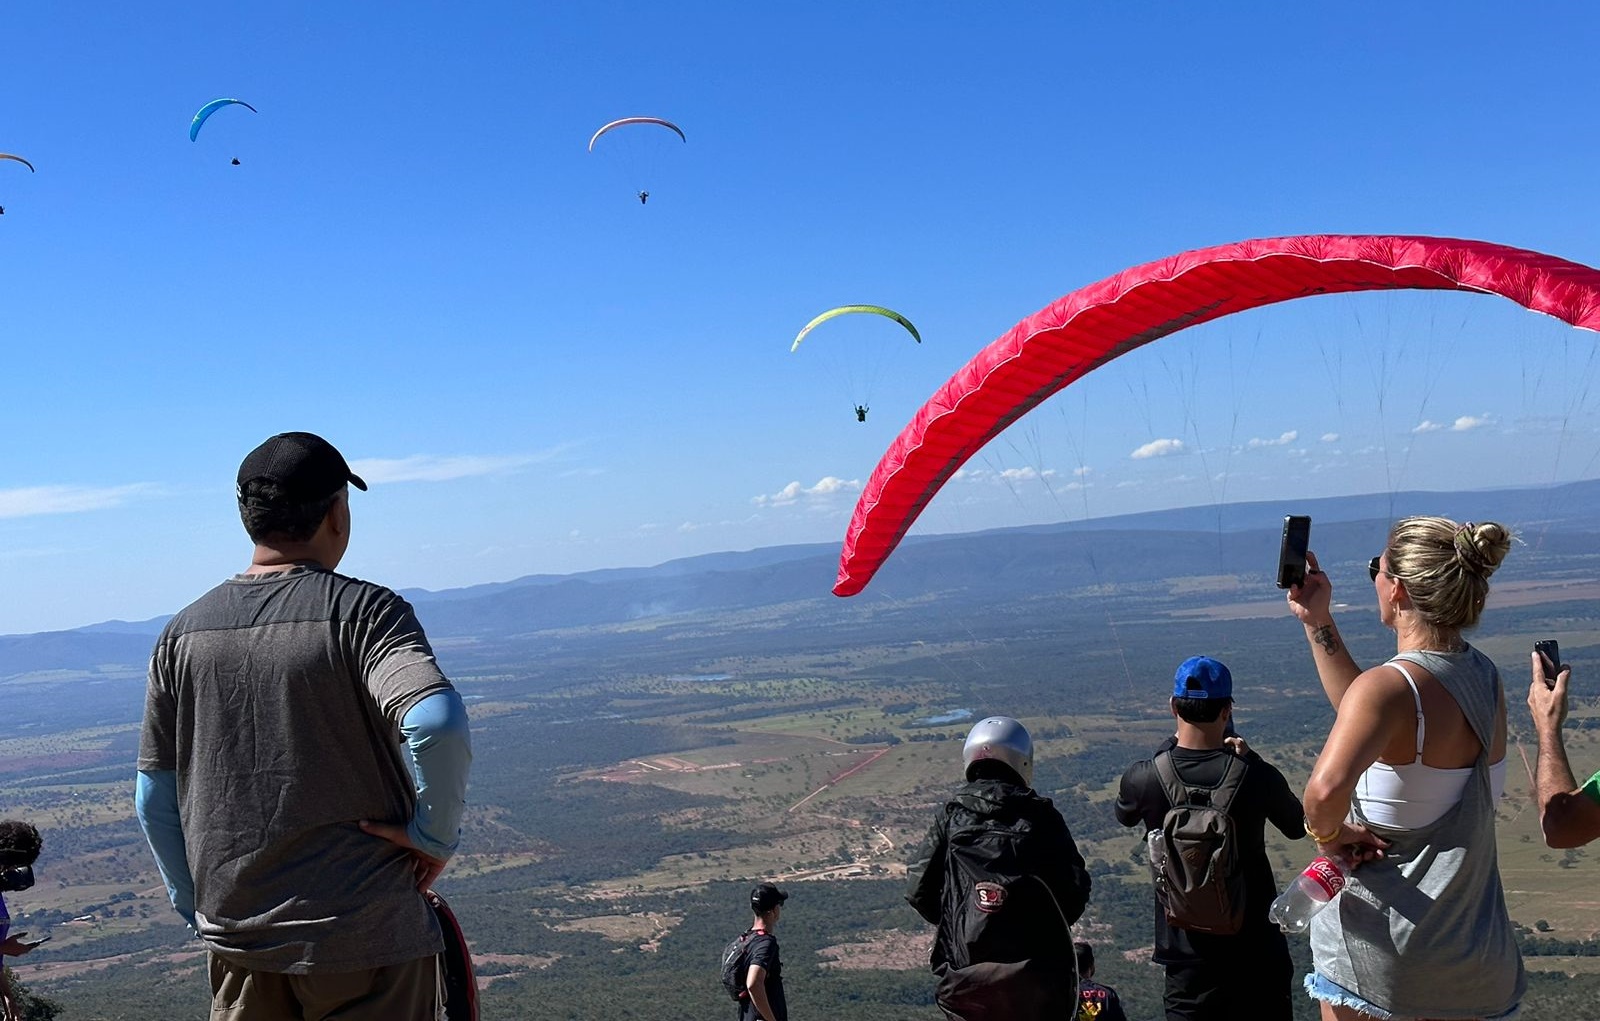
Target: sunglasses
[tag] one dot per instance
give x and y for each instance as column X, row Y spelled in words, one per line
column 1372, row 566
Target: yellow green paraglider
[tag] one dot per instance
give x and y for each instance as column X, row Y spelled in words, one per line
column 861, row 364
column 842, row 310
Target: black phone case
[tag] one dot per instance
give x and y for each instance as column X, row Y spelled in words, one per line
column 1292, row 550
column 1551, row 648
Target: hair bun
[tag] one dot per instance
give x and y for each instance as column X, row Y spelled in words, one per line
column 1481, row 548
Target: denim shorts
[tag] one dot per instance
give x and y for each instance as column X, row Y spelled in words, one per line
column 1320, row 987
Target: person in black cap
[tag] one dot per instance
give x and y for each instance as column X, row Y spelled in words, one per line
column 303, row 763
column 1211, row 975
column 764, row 973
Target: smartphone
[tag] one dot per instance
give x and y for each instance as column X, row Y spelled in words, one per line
column 41, row 941
column 1292, row 554
column 1552, row 649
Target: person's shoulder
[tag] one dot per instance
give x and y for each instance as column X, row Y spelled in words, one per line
column 357, row 597
column 1140, row 769
column 766, row 942
column 213, row 609
column 1040, row 808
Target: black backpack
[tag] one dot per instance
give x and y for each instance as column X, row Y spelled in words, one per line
column 1000, row 905
column 733, row 966
column 1194, row 856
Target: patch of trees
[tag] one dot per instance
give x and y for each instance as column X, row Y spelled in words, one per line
column 878, row 736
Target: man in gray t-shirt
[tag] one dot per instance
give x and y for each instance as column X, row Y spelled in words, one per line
column 303, row 764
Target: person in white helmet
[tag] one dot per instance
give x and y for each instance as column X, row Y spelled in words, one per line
column 1001, row 877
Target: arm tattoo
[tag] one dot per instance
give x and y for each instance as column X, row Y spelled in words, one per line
column 1325, row 637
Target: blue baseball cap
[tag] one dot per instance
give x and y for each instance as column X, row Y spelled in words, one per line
column 1202, row 677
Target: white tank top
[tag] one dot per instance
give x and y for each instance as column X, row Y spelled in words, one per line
column 1413, row 795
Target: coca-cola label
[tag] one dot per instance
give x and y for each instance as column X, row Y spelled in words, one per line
column 1326, row 874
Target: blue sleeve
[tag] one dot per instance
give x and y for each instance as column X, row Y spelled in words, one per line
column 155, row 801
column 440, row 742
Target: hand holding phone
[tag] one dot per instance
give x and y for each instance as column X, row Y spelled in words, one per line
column 1549, row 652
column 16, row 946
column 1292, row 551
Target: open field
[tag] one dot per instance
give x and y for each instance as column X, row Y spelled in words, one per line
column 622, row 816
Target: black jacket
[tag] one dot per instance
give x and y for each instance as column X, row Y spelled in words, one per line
column 989, row 814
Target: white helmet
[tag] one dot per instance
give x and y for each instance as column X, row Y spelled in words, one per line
column 1003, row 739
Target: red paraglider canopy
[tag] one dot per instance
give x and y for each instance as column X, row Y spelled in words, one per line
column 1095, row 324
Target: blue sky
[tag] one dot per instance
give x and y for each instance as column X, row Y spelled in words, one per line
column 418, row 259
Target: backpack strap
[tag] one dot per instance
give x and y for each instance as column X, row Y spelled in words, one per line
column 1171, row 783
column 1223, row 793
column 1054, row 903
column 1221, row 796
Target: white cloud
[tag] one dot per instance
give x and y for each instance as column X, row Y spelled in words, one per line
column 831, row 484
column 695, row 526
column 782, row 498
column 34, row 501
column 1081, row 472
column 792, row 493
column 441, row 468
column 1330, row 437
column 1283, row 440
column 1158, row 448
column 1466, row 422
column 1026, row 474
column 1426, row 426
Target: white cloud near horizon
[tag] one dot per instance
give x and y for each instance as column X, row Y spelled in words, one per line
column 1426, row 426
column 1283, row 440
column 1026, row 474
column 1467, row 422
column 1330, row 437
column 794, row 491
column 35, row 501
column 1158, row 448
column 442, row 467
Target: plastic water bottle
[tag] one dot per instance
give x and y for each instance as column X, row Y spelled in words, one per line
column 1309, row 893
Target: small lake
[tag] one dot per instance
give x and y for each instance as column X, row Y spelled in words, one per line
column 939, row 719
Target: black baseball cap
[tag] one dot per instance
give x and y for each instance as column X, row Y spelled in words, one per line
column 304, row 465
column 765, row 897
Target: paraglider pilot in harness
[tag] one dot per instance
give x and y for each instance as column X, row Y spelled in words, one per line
column 644, row 197
column 861, row 412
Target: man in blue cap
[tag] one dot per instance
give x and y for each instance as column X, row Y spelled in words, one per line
column 1212, row 975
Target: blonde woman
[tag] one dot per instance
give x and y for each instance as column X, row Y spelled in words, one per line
column 1406, row 785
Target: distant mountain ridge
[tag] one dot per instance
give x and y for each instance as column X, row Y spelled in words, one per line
column 998, row 564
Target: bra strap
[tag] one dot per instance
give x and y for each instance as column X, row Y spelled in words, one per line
column 1422, row 724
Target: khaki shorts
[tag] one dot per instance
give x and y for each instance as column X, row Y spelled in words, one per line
column 408, row 991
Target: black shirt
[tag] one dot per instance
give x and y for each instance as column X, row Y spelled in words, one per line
column 1098, row 1003
column 1263, row 797
column 764, row 952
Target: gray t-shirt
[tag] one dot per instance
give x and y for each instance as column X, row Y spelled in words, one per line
column 277, row 699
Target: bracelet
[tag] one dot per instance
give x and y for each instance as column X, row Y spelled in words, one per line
column 1322, row 838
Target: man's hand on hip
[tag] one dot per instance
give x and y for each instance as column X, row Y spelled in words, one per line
column 426, row 867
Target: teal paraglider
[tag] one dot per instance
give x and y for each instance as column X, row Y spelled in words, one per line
column 211, row 108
